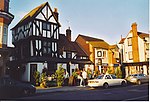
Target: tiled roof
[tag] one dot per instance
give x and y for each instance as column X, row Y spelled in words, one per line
column 95, row 42
column 79, row 50
column 33, row 13
column 113, row 46
column 143, row 35
column 100, row 44
column 122, row 41
column 66, row 45
column 87, row 38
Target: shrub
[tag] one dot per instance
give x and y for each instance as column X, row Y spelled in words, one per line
column 60, row 75
column 36, row 76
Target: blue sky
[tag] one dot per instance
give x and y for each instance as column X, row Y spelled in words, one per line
column 104, row 19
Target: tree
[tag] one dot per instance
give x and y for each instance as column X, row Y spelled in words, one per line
column 110, row 70
column 60, row 75
column 118, row 72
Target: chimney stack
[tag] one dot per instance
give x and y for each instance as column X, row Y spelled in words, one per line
column 56, row 13
column 134, row 29
column 68, row 34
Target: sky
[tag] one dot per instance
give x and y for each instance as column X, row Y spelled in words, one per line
column 103, row 19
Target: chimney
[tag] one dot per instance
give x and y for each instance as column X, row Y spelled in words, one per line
column 134, row 29
column 68, row 34
column 56, row 13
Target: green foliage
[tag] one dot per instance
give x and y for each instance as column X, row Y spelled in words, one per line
column 89, row 73
column 43, row 77
column 60, row 75
column 74, row 74
column 118, row 72
column 36, row 76
column 109, row 70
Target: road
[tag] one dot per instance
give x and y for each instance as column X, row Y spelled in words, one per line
column 128, row 93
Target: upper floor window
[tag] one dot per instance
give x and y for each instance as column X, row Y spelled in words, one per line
column 130, row 55
column 147, row 46
column 46, row 26
column 69, row 55
column 129, row 41
column 99, row 53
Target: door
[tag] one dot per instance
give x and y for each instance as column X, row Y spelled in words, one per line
column 33, row 68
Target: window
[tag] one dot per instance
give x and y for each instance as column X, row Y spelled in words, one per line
column 113, row 76
column 46, row 47
column 99, row 53
column 129, row 41
column 69, row 55
column 44, row 26
column 104, row 53
column 5, row 36
column 147, row 46
column 107, row 77
column 130, row 55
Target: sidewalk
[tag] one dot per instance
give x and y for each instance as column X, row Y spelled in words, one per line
column 60, row 89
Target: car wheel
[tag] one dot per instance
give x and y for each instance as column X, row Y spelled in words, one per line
column 123, row 83
column 139, row 82
column 105, row 85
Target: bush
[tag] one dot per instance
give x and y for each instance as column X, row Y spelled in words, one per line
column 118, row 72
column 36, row 76
column 60, row 76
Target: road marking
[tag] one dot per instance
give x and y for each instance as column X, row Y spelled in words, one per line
column 136, row 90
column 136, row 98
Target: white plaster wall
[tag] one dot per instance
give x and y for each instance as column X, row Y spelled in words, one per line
column 127, row 48
column 141, row 49
column 104, row 59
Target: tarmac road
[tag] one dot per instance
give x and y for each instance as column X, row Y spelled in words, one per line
column 128, row 93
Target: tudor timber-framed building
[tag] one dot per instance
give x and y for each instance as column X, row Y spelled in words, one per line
column 38, row 44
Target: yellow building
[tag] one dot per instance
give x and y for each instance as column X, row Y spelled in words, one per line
column 100, row 52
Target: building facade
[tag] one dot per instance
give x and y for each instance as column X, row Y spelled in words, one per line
column 134, row 50
column 39, row 44
column 100, row 53
column 5, row 19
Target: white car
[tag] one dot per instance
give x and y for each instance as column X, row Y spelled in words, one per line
column 106, row 81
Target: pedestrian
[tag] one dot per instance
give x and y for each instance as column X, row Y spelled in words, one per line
column 84, row 75
column 66, row 77
column 79, row 73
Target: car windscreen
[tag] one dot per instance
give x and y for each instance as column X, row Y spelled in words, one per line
column 100, row 77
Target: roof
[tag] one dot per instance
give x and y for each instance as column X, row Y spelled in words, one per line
column 100, row 44
column 113, row 46
column 87, row 38
column 140, row 34
column 32, row 14
column 122, row 41
column 79, row 50
column 95, row 42
column 71, row 46
column 143, row 35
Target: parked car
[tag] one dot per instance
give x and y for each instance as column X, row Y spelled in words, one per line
column 11, row 88
column 137, row 78
column 106, row 81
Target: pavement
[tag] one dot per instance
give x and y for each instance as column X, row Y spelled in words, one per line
column 60, row 89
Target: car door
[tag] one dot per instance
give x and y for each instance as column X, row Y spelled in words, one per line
column 109, row 80
column 116, row 81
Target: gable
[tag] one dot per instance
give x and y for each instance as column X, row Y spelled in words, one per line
column 46, row 14
column 42, row 12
